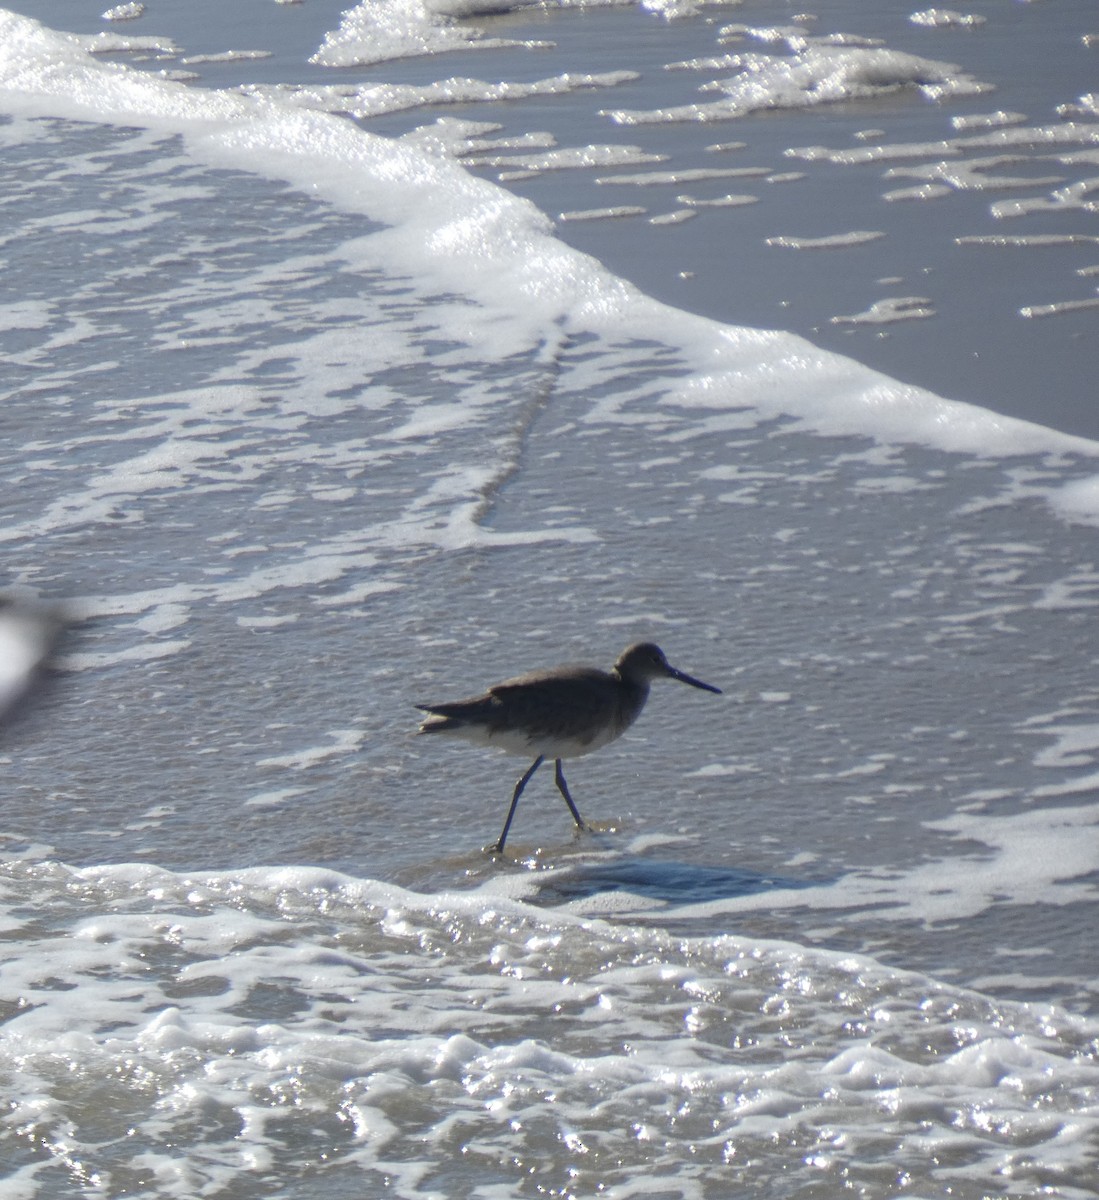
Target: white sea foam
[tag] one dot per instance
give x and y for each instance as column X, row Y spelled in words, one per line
column 834, row 241
column 1041, row 856
column 223, row 56
column 990, row 120
column 886, row 312
column 685, row 175
column 117, row 43
column 464, row 235
column 946, row 17
column 731, row 200
column 345, row 741
column 377, row 30
column 601, row 214
column 371, row 100
column 975, row 174
column 1069, row 134
column 525, row 166
column 818, row 73
column 256, row 1016
column 675, row 217
column 998, row 152
column 124, row 12
column 922, row 191
column 1059, row 307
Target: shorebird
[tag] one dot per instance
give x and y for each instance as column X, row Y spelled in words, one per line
column 563, row 712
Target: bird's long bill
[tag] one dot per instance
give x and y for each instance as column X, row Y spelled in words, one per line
column 683, row 677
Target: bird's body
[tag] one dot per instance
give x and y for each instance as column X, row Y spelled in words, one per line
column 564, row 712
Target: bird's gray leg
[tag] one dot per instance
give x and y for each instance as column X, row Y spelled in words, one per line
column 515, row 800
column 563, row 788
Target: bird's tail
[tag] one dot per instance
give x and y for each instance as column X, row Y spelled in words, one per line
column 440, row 719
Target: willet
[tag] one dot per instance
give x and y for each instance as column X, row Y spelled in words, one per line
column 564, row 712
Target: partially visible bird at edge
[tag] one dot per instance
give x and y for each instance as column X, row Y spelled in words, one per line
column 563, row 712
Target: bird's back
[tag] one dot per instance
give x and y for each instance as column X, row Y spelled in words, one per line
column 561, row 713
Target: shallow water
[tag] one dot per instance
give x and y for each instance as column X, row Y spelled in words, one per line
column 288, row 469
